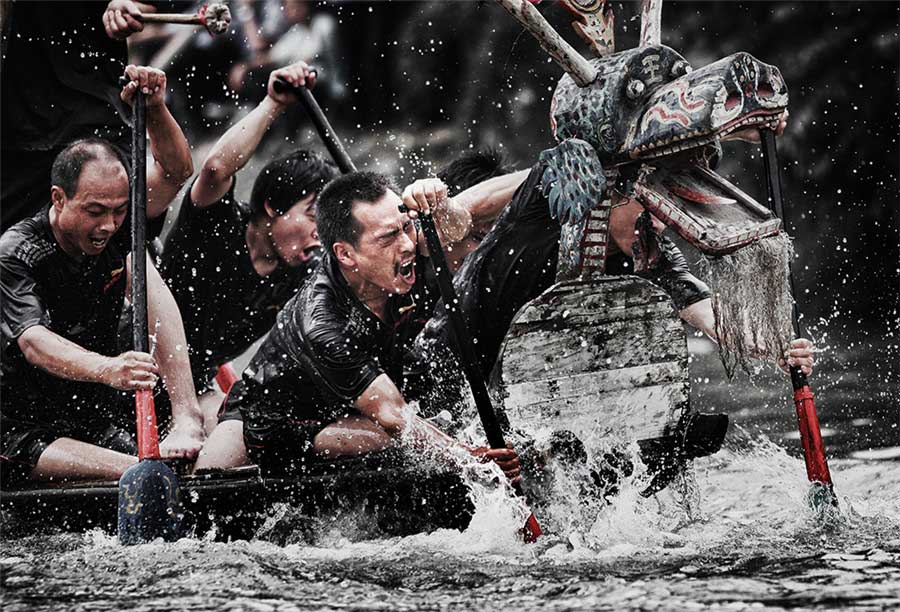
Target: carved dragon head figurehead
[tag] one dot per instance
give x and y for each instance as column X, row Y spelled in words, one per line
column 643, row 123
column 648, row 103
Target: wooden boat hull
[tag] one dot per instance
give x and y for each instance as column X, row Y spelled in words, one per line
column 240, row 503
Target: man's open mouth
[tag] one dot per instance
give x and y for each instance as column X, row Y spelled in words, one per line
column 313, row 253
column 406, row 271
column 98, row 243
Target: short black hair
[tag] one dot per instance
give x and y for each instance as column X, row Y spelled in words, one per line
column 471, row 168
column 285, row 181
column 334, row 218
column 69, row 163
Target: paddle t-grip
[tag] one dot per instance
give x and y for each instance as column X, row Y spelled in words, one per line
column 215, row 17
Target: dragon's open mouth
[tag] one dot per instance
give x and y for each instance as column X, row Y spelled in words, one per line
column 703, row 207
column 760, row 119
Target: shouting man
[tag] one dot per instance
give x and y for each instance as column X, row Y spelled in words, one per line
column 328, row 379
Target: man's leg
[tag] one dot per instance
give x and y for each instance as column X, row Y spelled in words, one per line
column 68, row 459
column 351, row 435
column 224, row 448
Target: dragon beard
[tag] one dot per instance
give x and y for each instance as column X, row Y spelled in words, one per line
column 752, row 302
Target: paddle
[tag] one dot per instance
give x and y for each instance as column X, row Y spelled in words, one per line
column 148, row 491
column 326, row 132
column 822, row 489
column 492, row 429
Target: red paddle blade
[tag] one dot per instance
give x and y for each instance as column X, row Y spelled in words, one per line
column 147, row 434
column 532, row 530
column 811, row 436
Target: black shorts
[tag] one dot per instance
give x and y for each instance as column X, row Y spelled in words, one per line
column 24, row 442
column 275, row 442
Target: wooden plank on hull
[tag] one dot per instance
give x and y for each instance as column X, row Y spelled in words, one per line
column 602, row 356
column 557, row 389
column 619, row 344
column 622, row 414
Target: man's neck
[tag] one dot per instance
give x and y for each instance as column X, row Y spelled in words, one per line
column 259, row 245
column 68, row 248
column 371, row 295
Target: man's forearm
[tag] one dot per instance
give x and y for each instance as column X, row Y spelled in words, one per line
column 168, row 144
column 60, row 357
column 485, row 201
column 172, row 349
column 235, row 148
column 172, row 164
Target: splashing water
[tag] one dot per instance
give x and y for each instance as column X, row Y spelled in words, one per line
column 752, row 302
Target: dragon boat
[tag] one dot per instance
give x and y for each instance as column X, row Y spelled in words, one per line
column 601, row 356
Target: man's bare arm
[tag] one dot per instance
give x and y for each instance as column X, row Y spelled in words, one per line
column 700, row 316
column 383, row 403
column 172, row 164
column 171, row 349
column 235, row 148
column 63, row 358
column 486, row 200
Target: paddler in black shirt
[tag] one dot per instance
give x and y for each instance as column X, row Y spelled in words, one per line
column 231, row 266
column 65, row 274
column 327, row 380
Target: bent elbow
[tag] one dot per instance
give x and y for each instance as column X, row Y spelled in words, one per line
column 29, row 348
column 184, row 172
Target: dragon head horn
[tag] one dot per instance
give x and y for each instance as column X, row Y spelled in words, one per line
column 582, row 72
column 651, row 22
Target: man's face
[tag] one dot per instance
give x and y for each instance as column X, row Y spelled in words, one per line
column 385, row 252
column 294, row 235
column 87, row 221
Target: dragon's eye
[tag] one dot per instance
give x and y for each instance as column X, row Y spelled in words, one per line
column 681, row 68
column 635, row 88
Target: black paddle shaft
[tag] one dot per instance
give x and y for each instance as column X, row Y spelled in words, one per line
column 326, row 132
column 776, row 202
column 470, row 360
column 139, row 223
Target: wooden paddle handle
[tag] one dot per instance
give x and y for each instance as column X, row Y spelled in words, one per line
column 180, row 18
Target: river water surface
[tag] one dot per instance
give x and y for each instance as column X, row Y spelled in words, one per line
column 738, row 535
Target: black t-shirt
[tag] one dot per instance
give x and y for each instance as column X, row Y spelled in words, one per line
column 225, row 304
column 325, row 349
column 78, row 300
column 59, row 77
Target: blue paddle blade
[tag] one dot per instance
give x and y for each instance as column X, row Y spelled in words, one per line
column 149, row 503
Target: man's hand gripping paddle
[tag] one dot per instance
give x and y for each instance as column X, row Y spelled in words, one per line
column 821, row 493
column 149, row 505
column 532, row 529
